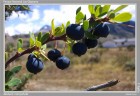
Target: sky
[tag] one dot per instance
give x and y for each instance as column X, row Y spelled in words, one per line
column 43, row 14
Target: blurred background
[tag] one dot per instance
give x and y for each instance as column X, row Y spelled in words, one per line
column 113, row 58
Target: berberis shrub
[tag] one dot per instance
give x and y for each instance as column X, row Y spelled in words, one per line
column 78, row 37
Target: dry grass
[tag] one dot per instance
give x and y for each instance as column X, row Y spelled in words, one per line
column 82, row 74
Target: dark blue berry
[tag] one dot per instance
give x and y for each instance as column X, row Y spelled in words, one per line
column 101, row 30
column 34, row 65
column 62, row 62
column 75, row 31
column 53, row 54
column 79, row 48
column 91, row 43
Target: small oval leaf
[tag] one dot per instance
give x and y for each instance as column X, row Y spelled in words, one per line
column 91, row 9
column 16, row 69
column 123, row 17
column 45, row 37
column 79, row 17
column 53, row 27
column 120, row 8
column 39, row 36
column 13, row 82
column 86, row 25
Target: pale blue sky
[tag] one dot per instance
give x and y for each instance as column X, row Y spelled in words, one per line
column 43, row 14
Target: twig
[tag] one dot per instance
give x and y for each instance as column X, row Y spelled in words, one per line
column 107, row 84
column 30, row 50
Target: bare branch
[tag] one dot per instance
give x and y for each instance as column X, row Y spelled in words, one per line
column 101, row 86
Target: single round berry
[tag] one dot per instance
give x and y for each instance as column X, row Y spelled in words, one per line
column 34, row 65
column 62, row 62
column 53, row 54
column 101, row 30
column 79, row 48
column 75, row 31
column 91, row 43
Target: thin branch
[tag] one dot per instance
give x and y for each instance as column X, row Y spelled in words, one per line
column 30, row 50
column 101, row 86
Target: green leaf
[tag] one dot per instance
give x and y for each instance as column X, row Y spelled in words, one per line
column 38, row 43
column 96, row 6
column 39, row 36
column 32, row 42
column 105, row 9
column 13, row 82
column 79, row 17
column 8, row 75
column 53, row 27
column 120, row 8
column 20, row 50
column 45, row 37
column 78, row 9
column 91, row 9
column 19, row 43
column 112, row 15
column 86, row 25
column 58, row 31
column 68, row 23
column 98, row 10
column 122, row 17
column 63, row 29
column 69, row 43
column 16, row 69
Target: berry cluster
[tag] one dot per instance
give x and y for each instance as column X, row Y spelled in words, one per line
column 76, row 32
column 62, row 62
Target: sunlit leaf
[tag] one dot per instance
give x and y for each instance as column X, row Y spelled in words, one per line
column 98, row 10
column 68, row 23
column 79, row 17
column 53, row 27
column 120, row 8
column 123, row 17
column 38, row 43
column 86, row 25
column 105, row 8
column 32, row 42
column 91, row 9
column 19, row 43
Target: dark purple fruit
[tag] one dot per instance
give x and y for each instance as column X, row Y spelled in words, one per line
column 101, row 30
column 53, row 54
column 62, row 62
column 75, row 31
column 79, row 49
column 34, row 65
